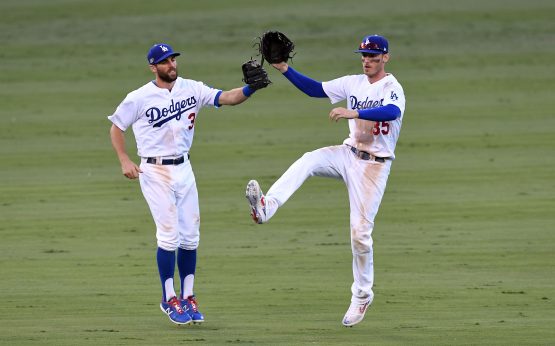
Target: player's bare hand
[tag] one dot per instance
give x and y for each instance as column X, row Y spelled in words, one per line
column 130, row 169
column 281, row 66
column 341, row 112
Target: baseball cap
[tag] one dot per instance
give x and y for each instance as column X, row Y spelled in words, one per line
column 375, row 44
column 160, row 52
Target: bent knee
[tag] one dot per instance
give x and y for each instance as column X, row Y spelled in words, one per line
column 361, row 239
column 360, row 247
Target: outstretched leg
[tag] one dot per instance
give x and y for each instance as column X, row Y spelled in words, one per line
column 323, row 162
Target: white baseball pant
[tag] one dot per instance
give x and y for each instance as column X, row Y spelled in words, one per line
column 365, row 180
column 172, row 196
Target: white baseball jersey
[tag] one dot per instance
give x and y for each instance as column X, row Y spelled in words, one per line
column 377, row 138
column 163, row 121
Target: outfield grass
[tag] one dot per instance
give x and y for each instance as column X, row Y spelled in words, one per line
column 464, row 238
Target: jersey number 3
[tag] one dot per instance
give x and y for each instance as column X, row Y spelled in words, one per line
column 381, row 127
column 191, row 117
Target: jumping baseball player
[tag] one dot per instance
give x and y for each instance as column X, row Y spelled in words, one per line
column 162, row 114
column 375, row 107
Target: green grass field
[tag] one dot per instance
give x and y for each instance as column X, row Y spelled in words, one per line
column 464, row 242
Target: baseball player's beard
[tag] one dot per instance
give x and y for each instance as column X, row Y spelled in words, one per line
column 168, row 77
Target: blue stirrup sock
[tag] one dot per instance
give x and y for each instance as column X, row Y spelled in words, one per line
column 166, row 268
column 186, row 264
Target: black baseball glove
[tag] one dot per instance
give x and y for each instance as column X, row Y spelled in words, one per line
column 254, row 75
column 275, row 47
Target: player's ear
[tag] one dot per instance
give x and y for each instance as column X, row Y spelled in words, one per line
column 386, row 57
column 152, row 68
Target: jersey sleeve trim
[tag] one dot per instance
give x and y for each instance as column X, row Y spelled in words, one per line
column 117, row 123
column 217, row 99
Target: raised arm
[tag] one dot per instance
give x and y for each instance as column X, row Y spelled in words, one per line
column 234, row 96
column 305, row 84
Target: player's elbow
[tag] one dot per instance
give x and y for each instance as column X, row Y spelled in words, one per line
column 115, row 132
column 395, row 111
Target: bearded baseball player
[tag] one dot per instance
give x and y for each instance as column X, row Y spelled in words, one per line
column 162, row 114
column 375, row 107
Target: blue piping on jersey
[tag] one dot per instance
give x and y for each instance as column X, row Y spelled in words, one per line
column 383, row 113
column 305, row 84
column 217, row 99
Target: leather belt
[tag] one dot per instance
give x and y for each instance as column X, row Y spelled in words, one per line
column 156, row 161
column 363, row 155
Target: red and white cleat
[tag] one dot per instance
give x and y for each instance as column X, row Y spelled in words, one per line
column 256, row 201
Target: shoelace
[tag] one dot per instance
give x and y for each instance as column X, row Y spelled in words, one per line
column 193, row 303
column 175, row 303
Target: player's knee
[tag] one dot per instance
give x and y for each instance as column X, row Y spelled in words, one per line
column 360, row 247
column 361, row 239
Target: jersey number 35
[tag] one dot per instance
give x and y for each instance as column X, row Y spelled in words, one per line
column 381, row 127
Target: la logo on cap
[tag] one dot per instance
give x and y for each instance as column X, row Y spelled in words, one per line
column 159, row 52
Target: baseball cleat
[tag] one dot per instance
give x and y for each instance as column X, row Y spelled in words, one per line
column 356, row 312
column 190, row 305
column 175, row 311
column 256, row 200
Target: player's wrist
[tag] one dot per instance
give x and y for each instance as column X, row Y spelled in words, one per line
column 248, row 90
column 281, row 67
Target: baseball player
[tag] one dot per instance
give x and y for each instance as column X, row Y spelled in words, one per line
column 375, row 107
column 162, row 114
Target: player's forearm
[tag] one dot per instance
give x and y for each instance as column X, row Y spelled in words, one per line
column 118, row 143
column 383, row 113
column 305, row 84
column 233, row 97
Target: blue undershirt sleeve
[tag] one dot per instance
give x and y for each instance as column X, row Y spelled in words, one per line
column 305, row 84
column 383, row 113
